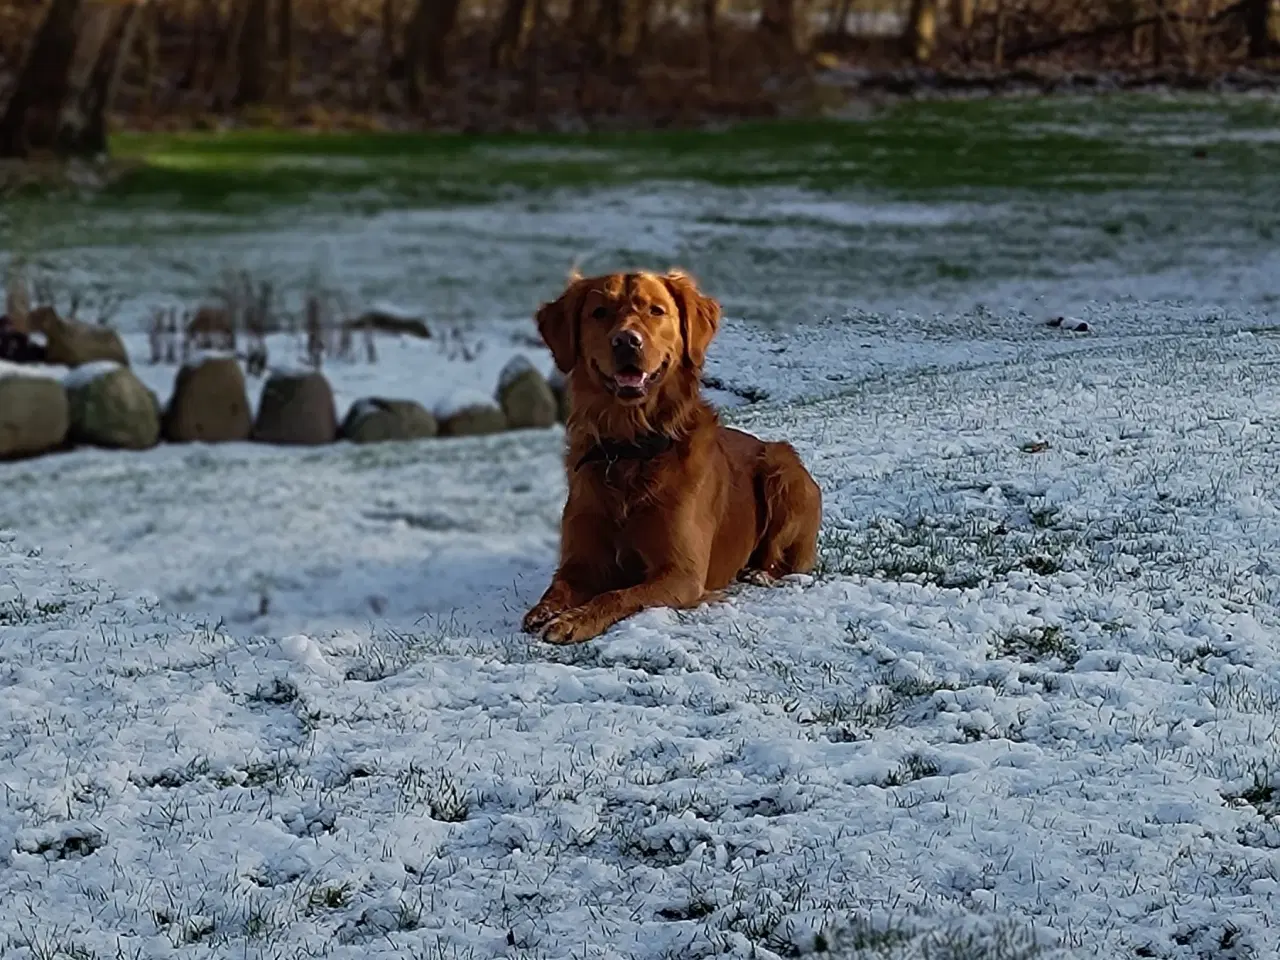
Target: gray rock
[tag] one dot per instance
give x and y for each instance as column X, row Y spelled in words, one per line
column 296, row 410
column 525, row 396
column 472, row 420
column 34, row 416
column 561, row 391
column 113, row 408
column 377, row 420
column 210, row 404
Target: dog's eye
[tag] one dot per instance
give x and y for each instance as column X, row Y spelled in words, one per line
column 657, row 310
column 600, row 313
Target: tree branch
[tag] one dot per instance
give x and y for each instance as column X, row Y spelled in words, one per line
column 1111, row 29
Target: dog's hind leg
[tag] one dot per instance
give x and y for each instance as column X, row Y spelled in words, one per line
column 793, row 514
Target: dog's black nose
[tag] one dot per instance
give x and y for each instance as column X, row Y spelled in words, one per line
column 627, row 343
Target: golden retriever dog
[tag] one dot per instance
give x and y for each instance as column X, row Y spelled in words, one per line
column 666, row 506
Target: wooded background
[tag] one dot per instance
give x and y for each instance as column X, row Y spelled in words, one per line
column 66, row 65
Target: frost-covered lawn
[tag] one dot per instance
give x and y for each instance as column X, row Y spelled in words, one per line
column 1032, row 698
column 268, row 703
column 1020, row 203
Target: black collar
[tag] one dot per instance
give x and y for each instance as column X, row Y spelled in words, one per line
column 644, row 447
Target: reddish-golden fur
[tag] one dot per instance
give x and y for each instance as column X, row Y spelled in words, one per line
column 665, row 504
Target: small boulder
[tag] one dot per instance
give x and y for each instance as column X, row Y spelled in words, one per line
column 525, row 396
column 376, row 420
column 470, row 414
column 296, row 410
column 210, row 403
column 561, row 391
column 71, row 343
column 111, row 407
column 34, row 416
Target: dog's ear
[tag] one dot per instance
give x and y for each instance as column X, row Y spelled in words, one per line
column 558, row 323
column 699, row 316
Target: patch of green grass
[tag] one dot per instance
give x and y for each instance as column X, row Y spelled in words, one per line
column 959, row 552
column 1259, row 794
column 954, row 271
column 1036, row 644
column 436, row 792
column 912, row 768
column 1262, row 793
column 19, row 611
column 1086, row 145
column 992, row 939
column 329, row 896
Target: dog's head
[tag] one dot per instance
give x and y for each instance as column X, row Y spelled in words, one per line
column 627, row 333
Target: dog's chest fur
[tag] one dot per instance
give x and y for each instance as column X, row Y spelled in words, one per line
column 622, row 488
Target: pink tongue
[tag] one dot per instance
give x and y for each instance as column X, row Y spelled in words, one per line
column 630, row 379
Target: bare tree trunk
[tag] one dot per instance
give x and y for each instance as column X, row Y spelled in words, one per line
column 200, row 75
column 533, row 68
column 93, row 36
column 69, row 81
column 834, row 15
column 711, row 38
column 997, row 55
column 512, row 26
column 1157, row 35
column 631, row 27
column 1262, row 21
column 962, row 12
column 195, row 49
column 778, row 23
column 284, row 46
column 618, row 25
column 390, row 27
column 225, row 63
column 253, row 52
column 921, row 35
column 840, row 11
column 30, row 120
column 846, row 8
column 415, row 52
column 150, row 57
column 1127, row 12
column 91, row 136
column 424, row 53
column 644, row 23
column 582, row 14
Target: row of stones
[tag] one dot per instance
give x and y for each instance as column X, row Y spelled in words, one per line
column 110, row 407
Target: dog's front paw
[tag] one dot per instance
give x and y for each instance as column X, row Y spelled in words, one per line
column 571, row 626
column 538, row 617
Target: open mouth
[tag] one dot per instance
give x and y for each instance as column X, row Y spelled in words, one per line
column 632, row 383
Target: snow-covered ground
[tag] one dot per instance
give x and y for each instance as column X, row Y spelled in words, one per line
column 273, row 703
column 270, row 703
